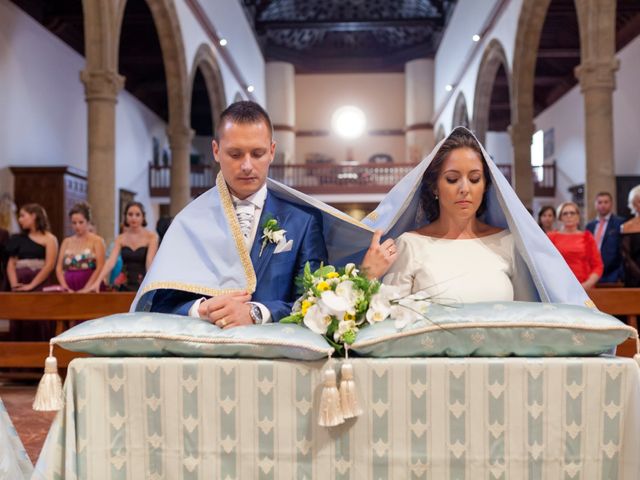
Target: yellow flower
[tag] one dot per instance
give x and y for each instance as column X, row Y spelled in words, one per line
column 349, row 316
column 323, row 286
column 333, row 275
column 305, row 306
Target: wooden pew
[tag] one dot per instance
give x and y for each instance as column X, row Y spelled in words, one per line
column 620, row 302
column 62, row 308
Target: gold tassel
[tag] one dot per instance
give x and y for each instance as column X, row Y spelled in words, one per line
column 49, row 393
column 348, row 394
column 330, row 411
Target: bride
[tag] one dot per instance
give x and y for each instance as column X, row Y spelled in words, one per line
column 461, row 237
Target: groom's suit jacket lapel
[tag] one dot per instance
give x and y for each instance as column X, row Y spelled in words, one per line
column 274, row 208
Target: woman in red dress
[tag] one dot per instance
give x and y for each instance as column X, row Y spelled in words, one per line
column 578, row 247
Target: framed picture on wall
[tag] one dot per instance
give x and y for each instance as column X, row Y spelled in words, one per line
column 548, row 143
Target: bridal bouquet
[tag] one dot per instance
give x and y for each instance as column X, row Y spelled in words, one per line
column 338, row 303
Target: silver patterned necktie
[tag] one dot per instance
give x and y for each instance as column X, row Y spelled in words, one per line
column 245, row 211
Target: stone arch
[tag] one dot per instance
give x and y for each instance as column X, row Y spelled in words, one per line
column 207, row 63
column 165, row 19
column 460, row 112
column 530, row 23
column 493, row 58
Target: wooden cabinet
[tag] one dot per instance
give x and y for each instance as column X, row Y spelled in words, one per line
column 57, row 189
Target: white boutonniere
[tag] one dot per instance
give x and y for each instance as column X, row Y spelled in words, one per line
column 271, row 233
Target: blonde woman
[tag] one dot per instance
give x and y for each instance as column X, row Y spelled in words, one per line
column 631, row 241
column 578, row 247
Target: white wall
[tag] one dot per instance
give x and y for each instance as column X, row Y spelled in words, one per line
column 566, row 117
column 135, row 127
column 380, row 96
column 499, row 146
column 43, row 117
column 230, row 22
column 43, row 113
column 469, row 17
column 626, row 109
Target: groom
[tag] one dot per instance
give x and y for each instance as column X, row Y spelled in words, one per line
column 244, row 148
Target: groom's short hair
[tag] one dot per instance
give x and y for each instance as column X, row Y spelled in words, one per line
column 243, row 112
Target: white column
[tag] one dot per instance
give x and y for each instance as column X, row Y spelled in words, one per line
column 281, row 105
column 419, row 136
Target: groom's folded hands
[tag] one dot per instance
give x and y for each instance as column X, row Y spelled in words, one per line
column 226, row 311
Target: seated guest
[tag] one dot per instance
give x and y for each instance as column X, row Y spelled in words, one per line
column 4, row 239
column 455, row 256
column 32, row 253
column 32, row 258
column 631, row 241
column 577, row 247
column 82, row 254
column 547, row 218
column 136, row 245
column 605, row 228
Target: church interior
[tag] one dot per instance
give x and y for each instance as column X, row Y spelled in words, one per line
column 108, row 103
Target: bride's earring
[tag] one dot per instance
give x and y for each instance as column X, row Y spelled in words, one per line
column 435, row 194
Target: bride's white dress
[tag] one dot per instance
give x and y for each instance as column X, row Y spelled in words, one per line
column 460, row 270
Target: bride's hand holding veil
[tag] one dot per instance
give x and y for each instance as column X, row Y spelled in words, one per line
column 379, row 256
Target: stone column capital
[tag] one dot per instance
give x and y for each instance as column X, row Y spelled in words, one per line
column 521, row 132
column 180, row 136
column 101, row 84
column 597, row 74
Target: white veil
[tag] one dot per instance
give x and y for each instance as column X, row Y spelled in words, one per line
column 542, row 273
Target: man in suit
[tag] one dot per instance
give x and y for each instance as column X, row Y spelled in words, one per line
column 244, row 149
column 606, row 231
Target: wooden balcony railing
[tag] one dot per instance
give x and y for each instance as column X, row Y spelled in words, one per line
column 332, row 179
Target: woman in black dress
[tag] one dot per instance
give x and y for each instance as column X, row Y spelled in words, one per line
column 136, row 245
column 32, row 258
column 631, row 241
column 32, row 253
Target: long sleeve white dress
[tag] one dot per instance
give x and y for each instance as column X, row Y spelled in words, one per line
column 460, row 270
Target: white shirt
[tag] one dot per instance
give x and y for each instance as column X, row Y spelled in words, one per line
column 257, row 200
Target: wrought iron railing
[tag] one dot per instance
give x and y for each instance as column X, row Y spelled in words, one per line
column 332, row 179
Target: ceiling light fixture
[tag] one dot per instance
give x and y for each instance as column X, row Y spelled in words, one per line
column 250, row 88
column 449, row 87
column 223, row 42
column 476, row 38
column 349, row 121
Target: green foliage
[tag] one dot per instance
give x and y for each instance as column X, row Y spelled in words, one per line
column 296, row 318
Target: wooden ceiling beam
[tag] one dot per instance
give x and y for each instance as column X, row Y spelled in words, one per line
column 559, row 53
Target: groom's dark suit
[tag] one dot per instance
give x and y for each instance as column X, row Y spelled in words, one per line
column 275, row 272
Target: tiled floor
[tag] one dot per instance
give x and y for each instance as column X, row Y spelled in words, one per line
column 31, row 426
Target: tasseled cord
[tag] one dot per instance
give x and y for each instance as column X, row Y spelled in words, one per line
column 330, row 411
column 348, row 395
column 49, row 393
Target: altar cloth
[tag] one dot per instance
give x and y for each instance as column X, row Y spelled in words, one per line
column 14, row 461
column 424, row 418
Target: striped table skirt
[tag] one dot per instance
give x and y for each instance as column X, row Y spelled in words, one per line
column 424, row 418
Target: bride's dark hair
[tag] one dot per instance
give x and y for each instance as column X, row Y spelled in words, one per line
column 459, row 138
